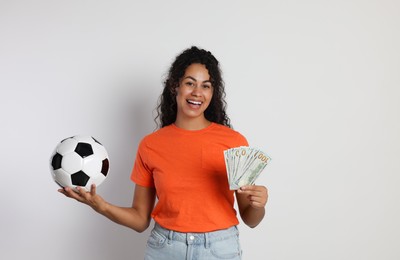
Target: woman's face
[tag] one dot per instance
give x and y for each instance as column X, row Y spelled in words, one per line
column 194, row 92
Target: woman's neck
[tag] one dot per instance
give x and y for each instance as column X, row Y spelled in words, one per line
column 193, row 124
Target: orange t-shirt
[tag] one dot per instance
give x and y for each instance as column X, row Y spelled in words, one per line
column 188, row 170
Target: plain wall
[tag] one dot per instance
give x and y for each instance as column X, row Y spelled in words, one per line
column 315, row 84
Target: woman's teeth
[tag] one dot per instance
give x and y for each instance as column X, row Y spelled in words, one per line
column 194, row 102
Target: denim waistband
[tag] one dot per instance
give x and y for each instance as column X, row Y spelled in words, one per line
column 197, row 238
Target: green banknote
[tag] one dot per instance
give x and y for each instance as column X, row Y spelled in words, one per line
column 244, row 164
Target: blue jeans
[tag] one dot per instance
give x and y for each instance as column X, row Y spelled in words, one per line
column 164, row 244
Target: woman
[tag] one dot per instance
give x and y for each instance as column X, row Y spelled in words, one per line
column 182, row 165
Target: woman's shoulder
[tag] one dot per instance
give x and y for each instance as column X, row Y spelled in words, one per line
column 156, row 134
column 228, row 132
column 226, row 129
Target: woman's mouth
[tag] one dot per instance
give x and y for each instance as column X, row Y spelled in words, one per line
column 193, row 102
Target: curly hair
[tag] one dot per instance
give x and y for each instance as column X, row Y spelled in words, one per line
column 167, row 107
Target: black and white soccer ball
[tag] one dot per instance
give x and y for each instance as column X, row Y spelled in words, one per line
column 79, row 160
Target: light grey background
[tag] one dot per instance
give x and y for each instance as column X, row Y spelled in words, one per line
column 313, row 83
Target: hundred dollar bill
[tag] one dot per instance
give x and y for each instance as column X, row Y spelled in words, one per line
column 244, row 165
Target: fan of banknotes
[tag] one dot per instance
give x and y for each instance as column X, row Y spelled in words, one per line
column 243, row 165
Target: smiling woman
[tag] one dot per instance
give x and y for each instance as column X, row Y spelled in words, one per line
column 216, row 110
column 182, row 164
column 193, row 97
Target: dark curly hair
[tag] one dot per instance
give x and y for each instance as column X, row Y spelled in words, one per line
column 167, row 107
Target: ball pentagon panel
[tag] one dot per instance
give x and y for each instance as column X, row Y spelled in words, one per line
column 84, row 149
column 79, row 178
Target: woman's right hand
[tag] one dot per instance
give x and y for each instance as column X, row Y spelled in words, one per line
column 137, row 216
column 90, row 198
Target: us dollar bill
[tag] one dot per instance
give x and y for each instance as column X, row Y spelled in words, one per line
column 244, row 165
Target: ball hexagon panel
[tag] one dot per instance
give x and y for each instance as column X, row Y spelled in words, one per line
column 72, row 162
column 92, row 166
column 95, row 180
column 66, row 146
column 84, row 139
column 99, row 150
column 62, row 178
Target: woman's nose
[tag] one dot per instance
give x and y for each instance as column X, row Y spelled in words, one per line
column 196, row 91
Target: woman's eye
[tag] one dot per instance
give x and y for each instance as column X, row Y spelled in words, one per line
column 206, row 86
column 189, row 83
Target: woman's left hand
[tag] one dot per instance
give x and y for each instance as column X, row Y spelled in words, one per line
column 257, row 195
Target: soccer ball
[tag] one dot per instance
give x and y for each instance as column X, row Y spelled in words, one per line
column 79, row 161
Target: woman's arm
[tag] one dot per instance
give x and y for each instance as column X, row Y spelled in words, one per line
column 251, row 201
column 136, row 217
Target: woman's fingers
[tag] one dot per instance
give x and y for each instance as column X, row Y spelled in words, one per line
column 257, row 195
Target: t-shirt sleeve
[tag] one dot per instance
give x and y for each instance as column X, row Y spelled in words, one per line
column 141, row 172
column 244, row 140
column 241, row 140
